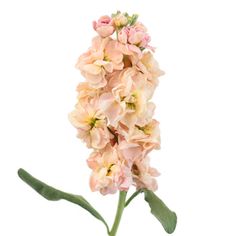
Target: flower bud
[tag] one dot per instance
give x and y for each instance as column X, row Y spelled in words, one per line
column 104, row 26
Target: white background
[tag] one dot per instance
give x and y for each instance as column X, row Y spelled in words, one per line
column 196, row 46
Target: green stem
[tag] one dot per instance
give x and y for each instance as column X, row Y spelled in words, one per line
column 119, row 212
column 117, row 34
column 135, row 194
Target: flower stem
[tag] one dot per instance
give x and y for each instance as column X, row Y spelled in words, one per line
column 135, row 194
column 119, row 212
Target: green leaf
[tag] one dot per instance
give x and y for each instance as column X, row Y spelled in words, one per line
column 133, row 19
column 167, row 217
column 53, row 194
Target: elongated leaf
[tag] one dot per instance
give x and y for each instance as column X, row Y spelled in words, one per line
column 167, row 217
column 53, row 194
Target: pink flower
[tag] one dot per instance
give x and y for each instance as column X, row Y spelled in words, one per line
column 135, row 35
column 125, row 47
column 127, row 99
column 101, row 59
column 147, row 136
column 130, row 151
column 114, row 114
column 138, row 35
column 104, row 26
column 109, row 171
column 143, row 174
column 87, row 94
column 91, row 125
column 149, row 66
column 123, row 35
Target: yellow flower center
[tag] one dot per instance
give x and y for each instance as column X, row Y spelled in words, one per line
column 106, row 58
column 131, row 103
column 146, row 129
column 109, row 170
column 92, row 122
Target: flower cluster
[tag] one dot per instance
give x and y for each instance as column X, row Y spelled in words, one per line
column 114, row 114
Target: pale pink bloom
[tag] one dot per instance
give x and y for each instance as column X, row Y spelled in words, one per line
column 135, row 107
column 144, row 175
column 113, row 55
column 112, row 102
column 135, row 35
column 109, row 171
column 125, row 47
column 113, row 114
column 113, row 109
column 87, row 94
column 102, row 58
column 104, row 26
column 91, row 125
column 136, row 98
column 127, row 99
column 147, row 115
column 143, row 84
column 130, row 151
column 138, row 35
column 149, row 66
column 147, row 136
column 123, row 35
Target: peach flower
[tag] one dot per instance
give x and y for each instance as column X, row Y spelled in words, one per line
column 128, row 49
column 130, row 151
column 87, row 94
column 144, row 175
column 114, row 112
column 127, row 98
column 91, row 125
column 102, row 58
column 147, row 136
column 104, row 26
column 109, row 171
column 149, row 66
